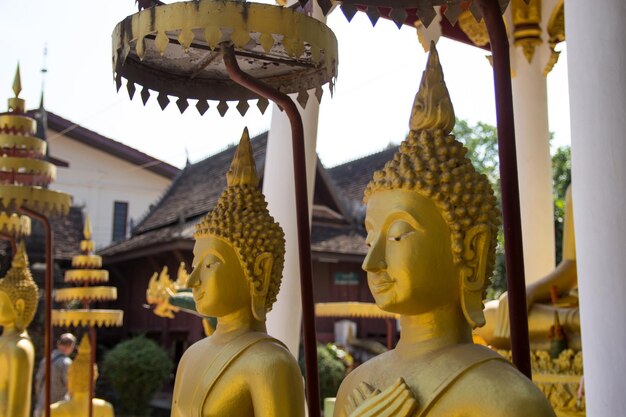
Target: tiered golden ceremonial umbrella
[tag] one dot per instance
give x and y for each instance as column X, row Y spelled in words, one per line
column 24, row 179
column 84, row 273
column 219, row 50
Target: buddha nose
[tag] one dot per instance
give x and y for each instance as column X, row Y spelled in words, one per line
column 375, row 258
column 194, row 277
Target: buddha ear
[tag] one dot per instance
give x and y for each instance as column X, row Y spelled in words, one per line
column 260, row 283
column 474, row 273
column 20, row 305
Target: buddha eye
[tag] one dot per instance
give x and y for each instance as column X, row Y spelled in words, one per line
column 398, row 238
column 211, row 264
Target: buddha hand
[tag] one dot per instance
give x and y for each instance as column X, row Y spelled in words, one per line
column 395, row 401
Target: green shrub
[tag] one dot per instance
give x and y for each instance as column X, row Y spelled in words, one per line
column 136, row 369
column 331, row 370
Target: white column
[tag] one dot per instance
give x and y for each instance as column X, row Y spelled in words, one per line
column 596, row 67
column 534, row 163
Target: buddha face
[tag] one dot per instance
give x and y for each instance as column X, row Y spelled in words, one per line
column 410, row 269
column 8, row 315
column 218, row 281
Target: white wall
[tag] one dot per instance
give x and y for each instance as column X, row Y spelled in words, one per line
column 97, row 179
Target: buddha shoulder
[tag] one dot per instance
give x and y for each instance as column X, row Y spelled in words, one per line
column 271, row 357
column 502, row 390
column 21, row 349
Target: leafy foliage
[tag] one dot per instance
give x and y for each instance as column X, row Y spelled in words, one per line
column 331, row 369
column 136, row 369
column 562, row 177
column 481, row 140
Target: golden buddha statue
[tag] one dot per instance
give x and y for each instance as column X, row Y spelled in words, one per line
column 542, row 309
column 431, row 224
column 78, row 388
column 18, row 303
column 238, row 259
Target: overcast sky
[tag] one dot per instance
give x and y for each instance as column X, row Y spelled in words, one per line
column 379, row 73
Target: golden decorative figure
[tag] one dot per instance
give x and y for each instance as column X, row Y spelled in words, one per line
column 476, row 31
column 170, row 297
column 526, row 26
column 238, row 262
column 541, row 310
column 431, row 225
column 556, row 31
column 18, row 303
column 78, row 376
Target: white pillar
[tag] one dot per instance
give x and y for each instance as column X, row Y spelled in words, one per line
column 285, row 319
column 596, row 65
column 534, row 163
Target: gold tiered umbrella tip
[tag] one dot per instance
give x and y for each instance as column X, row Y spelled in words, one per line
column 17, row 82
column 87, row 228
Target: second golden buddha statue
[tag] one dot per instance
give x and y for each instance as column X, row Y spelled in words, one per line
column 431, row 224
column 237, row 268
column 78, row 385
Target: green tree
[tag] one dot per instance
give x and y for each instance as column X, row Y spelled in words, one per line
column 481, row 140
column 136, row 369
column 562, row 177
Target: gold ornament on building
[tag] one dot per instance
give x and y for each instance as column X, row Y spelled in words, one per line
column 556, row 33
column 527, row 26
column 475, row 30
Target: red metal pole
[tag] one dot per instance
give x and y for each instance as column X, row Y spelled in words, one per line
column 302, row 215
column 92, row 362
column 389, row 331
column 48, row 303
column 511, row 217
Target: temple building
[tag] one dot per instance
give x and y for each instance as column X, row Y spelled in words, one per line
column 164, row 237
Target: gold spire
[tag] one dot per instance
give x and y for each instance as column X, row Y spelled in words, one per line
column 432, row 108
column 17, row 82
column 243, row 169
column 87, row 228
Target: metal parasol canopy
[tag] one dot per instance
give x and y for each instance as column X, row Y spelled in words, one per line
column 223, row 51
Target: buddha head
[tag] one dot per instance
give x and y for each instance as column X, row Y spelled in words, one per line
column 78, row 371
column 431, row 219
column 18, row 293
column 240, row 249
